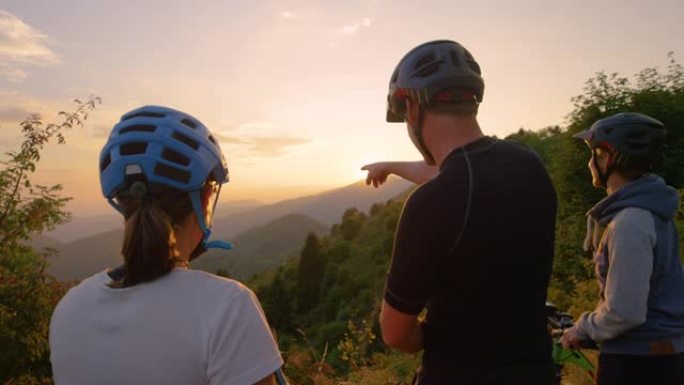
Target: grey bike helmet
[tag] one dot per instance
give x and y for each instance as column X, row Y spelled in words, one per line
column 430, row 69
column 636, row 139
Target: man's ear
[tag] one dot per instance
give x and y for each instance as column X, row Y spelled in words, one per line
column 412, row 112
column 608, row 157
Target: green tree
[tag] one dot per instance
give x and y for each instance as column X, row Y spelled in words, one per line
column 544, row 141
column 655, row 92
column 277, row 302
column 27, row 294
column 352, row 221
column 310, row 273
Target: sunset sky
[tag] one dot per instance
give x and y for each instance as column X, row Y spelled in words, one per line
column 296, row 89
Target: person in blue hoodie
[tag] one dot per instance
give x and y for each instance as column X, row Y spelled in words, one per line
column 639, row 320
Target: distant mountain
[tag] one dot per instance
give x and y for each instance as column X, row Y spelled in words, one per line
column 42, row 242
column 86, row 226
column 262, row 247
column 83, row 257
column 239, row 205
column 254, row 250
column 326, row 207
column 80, row 227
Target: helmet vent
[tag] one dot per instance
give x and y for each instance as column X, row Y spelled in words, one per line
column 470, row 60
column 133, row 169
column 189, row 123
column 427, row 70
column 144, row 115
column 454, row 59
column 133, row 148
column 427, row 59
column 175, row 157
column 172, row 173
column 137, row 128
column 104, row 163
column 426, row 66
column 211, row 139
column 474, row 67
column 182, row 138
column 395, row 76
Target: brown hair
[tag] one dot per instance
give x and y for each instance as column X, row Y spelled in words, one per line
column 631, row 171
column 629, row 168
column 149, row 243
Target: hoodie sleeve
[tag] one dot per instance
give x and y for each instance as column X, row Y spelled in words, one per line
column 630, row 241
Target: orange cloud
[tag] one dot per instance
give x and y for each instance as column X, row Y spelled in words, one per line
column 264, row 145
column 21, row 44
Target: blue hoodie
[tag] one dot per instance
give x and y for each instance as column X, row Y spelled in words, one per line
column 641, row 278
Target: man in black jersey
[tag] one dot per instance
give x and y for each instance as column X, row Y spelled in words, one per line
column 474, row 245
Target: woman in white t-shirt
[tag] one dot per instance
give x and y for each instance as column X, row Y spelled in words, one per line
column 153, row 321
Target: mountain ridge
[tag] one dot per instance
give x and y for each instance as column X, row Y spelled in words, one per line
column 321, row 209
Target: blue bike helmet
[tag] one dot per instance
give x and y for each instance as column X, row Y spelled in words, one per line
column 430, row 69
column 160, row 146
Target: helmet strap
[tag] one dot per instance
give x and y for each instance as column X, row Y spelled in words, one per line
column 203, row 245
column 116, row 206
column 417, row 131
column 603, row 176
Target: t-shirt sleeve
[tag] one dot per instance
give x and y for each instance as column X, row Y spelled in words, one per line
column 241, row 347
column 411, row 272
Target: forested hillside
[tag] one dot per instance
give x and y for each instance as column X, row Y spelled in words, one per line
column 261, row 247
column 326, row 301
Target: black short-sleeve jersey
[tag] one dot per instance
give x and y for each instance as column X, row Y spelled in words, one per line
column 475, row 247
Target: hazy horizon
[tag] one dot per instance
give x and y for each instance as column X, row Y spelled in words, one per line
column 296, row 90
column 227, row 198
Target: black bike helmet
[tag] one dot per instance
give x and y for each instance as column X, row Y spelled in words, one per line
column 636, row 140
column 430, row 69
column 634, row 136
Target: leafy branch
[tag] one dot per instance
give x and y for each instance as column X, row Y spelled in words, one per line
column 27, row 208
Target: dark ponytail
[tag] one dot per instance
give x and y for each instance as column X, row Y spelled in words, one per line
column 149, row 244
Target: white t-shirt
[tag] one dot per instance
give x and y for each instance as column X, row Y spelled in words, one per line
column 187, row 327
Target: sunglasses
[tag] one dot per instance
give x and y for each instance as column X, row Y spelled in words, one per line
column 212, row 200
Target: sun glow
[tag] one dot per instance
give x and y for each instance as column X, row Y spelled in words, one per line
column 366, row 159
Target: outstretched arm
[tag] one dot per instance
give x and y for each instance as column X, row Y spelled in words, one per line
column 417, row 172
